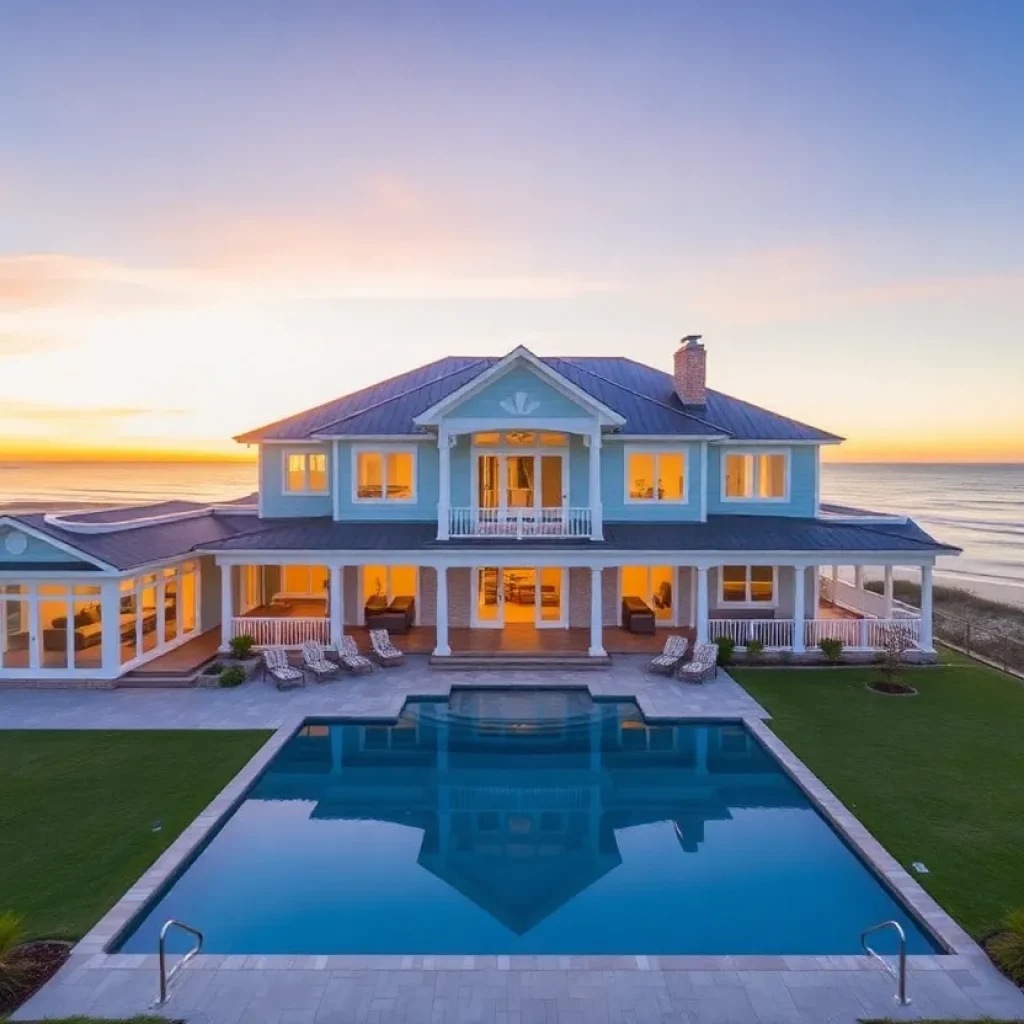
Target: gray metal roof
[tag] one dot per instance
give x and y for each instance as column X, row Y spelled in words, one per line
column 126, row 549
column 719, row 533
column 641, row 394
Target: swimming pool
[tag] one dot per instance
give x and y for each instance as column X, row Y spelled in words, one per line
column 531, row 822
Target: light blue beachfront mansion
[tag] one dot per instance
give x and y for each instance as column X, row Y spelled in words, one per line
column 521, row 503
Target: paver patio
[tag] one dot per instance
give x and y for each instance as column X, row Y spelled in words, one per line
column 496, row 990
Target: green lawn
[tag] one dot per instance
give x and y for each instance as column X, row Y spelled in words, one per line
column 77, row 810
column 937, row 778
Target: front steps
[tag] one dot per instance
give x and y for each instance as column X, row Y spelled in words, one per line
column 505, row 661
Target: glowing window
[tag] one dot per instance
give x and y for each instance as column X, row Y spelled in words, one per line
column 656, row 476
column 385, row 476
column 747, row 584
column 761, row 477
column 305, row 473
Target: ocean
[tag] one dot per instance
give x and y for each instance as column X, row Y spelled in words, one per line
column 978, row 508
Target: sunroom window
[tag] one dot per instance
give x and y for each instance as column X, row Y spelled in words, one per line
column 755, row 476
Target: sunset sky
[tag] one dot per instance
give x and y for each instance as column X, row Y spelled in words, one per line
column 216, row 214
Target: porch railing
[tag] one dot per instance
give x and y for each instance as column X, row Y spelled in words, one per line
column 777, row 634
column 863, row 602
column 519, row 522
column 282, row 631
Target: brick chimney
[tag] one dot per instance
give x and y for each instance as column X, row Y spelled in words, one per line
column 690, row 370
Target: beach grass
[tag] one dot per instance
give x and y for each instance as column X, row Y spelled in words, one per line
column 936, row 778
column 78, row 811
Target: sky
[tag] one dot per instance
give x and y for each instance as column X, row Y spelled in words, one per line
column 213, row 215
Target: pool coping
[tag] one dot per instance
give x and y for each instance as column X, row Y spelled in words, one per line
column 963, row 953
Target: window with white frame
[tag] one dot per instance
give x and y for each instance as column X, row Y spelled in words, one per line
column 747, row 585
column 384, row 475
column 656, row 476
column 756, row 476
column 305, row 473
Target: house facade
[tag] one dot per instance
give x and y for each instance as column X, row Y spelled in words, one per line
column 510, row 500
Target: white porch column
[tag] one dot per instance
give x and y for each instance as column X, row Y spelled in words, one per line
column 441, row 645
column 926, row 609
column 702, row 604
column 816, row 592
column 161, row 621
column 596, row 627
column 226, row 608
column 110, row 619
column 336, row 601
column 887, row 592
column 858, row 577
column 799, row 601
column 444, row 482
column 594, row 487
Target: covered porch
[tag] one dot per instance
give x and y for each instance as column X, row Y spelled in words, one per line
column 461, row 609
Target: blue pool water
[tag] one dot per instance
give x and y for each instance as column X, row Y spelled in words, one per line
column 525, row 822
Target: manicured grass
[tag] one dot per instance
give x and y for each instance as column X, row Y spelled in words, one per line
column 77, row 811
column 937, row 778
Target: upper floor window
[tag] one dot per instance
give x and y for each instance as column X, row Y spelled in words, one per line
column 520, row 439
column 656, row 476
column 305, row 473
column 753, row 476
column 384, row 475
column 747, row 584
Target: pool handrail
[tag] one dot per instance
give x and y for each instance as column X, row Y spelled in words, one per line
column 165, row 977
column 898, row 973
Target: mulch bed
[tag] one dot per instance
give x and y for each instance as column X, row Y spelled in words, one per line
column 891, row 689
column 33, row 964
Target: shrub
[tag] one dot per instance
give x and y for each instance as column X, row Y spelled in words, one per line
column 1007, row 947
column 234, row 675
column 755, row 650
column 241, row 646
column 896, row 642
column 11, row 935
column 726, row 645
column 832, row 648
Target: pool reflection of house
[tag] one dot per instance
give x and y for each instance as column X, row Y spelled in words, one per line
column 521, row 837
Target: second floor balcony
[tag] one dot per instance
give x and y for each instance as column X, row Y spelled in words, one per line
column 516, row 523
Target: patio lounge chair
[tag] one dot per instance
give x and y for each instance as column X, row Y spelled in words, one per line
column 275, row 661
column 349, row 656
column 384, row 650
column 702, row 666
column 313, row 658
column 668, row 661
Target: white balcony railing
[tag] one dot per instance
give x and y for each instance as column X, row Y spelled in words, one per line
column 520, row 522
column 282, row 631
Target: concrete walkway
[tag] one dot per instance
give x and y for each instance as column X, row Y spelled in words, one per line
column 258, row 705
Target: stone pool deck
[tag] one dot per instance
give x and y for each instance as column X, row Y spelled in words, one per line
column 216, row 989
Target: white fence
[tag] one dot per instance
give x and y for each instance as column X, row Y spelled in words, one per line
column 519, row 522
column 777, row 634
column 282, row 631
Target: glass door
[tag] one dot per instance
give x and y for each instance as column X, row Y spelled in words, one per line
column 489, row 605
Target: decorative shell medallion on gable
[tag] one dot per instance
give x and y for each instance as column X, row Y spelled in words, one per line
column 520, row 404
column 15, row 543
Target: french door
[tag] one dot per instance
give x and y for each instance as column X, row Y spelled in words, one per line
column 504, row 595
column 521, row 481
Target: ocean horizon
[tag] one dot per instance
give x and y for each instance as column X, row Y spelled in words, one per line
column 979, row 507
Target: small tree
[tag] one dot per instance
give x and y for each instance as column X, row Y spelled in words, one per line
column 726, row 646
column 241, row 646
column 832, row 648
column 896, row 642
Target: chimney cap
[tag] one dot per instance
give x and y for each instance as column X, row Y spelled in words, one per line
column 691, row 340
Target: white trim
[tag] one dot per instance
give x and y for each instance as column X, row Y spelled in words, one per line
column 755, row 477
column 656, row 453
column 520, row 354
column 366, row 438
column 665, row 438
column 307, row 491
column 748, row 603
column 336, row 483
column 772, row 442
column 703, row 496
column 60, row 545
column 384, row 451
